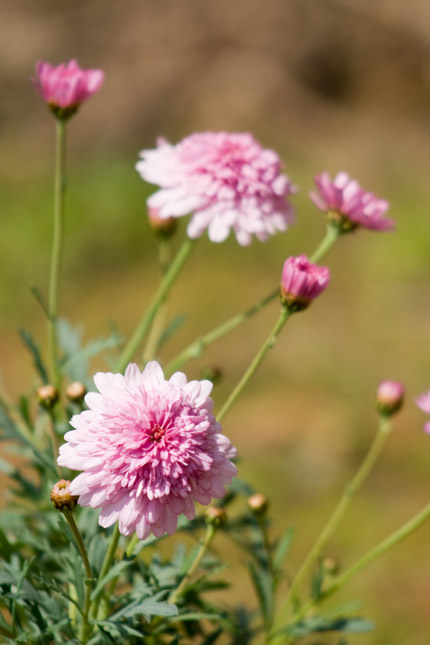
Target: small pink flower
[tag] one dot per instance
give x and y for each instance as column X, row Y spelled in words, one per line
column 389, row 397
column 65, row 87
column 348, row 205
column 423, row 402
column 227, row 181
column 301, row 282
column 148, row 449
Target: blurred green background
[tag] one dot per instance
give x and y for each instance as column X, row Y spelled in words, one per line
column 331, row 85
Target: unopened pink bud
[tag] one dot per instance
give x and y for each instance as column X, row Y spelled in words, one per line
column 389, row 397
column 301, row 282
column 423, row 402
column 215, row 516
column 65, row 87
column 165, row 226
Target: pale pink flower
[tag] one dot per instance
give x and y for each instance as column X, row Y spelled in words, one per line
column 348, row 205
column 227, row 181
column 423, row 402
column 65, row 87
column 302, row 281
column 389, row 397
column 148, row 449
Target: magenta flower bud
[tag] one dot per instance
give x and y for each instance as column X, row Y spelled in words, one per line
column 423, row 402
column 389, row 397
column 65, row 87
column 348, row 206
column 301, row 282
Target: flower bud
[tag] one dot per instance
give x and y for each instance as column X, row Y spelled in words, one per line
column 164, row 226
column 61, row 497
column 331, row 566
column 47, row 395
column 76, row 391
column 302, row 282
column 211, row 373
column 215, row 516
column 389, row 397
column 66, row 86
column 258, row 504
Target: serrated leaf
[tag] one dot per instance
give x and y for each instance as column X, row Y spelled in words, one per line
column 28, row 341
column 283, row 548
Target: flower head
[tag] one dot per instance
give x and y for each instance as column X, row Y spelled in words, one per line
column 228, row 181
column 301, row 282
column 148, row 449
column 389, row 397
column 423, row 402
column 348, row 206
column 65, row 87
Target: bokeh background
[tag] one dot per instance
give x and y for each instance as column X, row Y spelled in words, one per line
column 331, row 85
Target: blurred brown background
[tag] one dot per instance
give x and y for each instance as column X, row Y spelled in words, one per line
column 330, row 85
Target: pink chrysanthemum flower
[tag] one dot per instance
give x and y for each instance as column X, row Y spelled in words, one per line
column 148, row 449
column 302, row 282
column 348, row 205
column 423, row 402
column 65, row 87
column 228, row 181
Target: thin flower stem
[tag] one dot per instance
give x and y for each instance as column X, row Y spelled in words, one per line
column 283, row 317
column 380, row 549
column 195, row 349
column 85, row 627
column 331, row 235
column 164, row 258
column 107, row 563
column 162, row 291
column 54, row 440
column 210, row 533
column 339, row 512
column 57, row 245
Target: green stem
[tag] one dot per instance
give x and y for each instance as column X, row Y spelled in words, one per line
column 340, row 510
column 146, row 321
column 392, row 540
column 85, row 627
column 107, row 563
column 195, row 349
column 57, row 245
column 331, row 235
column 210, row 533
column 164, row 258
column 283, row 317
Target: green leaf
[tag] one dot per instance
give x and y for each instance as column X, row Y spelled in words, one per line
column 283, row 548
column 171, row 329
column 28, row 341
column 187, row 562
column 319, row 624
column 317, row 582
column 112, row 573
column 263, row 585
